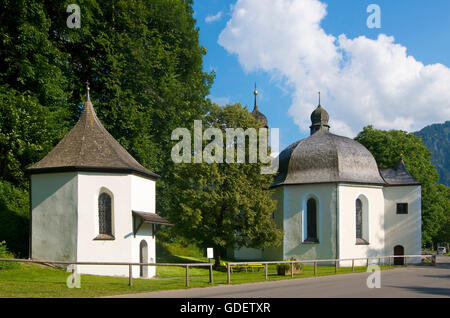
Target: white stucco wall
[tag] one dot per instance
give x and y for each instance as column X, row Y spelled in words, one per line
column 383, row 228
column 54, row 216
column 143, row 194
column 128, row 193
column 403, row 229
column 373, row 222
column 294, row 214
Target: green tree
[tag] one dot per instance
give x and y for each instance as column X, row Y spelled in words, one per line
column 224, row 205
column 33, row 88
column 142, row 58
column 387, row 147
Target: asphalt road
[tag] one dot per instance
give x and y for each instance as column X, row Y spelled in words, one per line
column 412, row 281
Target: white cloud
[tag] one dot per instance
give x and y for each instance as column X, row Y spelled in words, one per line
column 213, row 18
column 363, row 81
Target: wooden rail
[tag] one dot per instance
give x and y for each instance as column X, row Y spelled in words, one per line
column 130, row 265
column 316, row 261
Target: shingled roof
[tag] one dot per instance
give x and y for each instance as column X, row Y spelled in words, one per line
column 324, row 157
column 398, row 175
column 89, row 147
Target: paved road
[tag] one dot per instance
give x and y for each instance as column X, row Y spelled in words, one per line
column 413, row 281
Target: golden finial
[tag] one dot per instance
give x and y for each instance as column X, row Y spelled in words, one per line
column 255, row 92
column 88, row 98
column 319, row 98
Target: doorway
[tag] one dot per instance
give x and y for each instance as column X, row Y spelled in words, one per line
column 143, row 258
column 399, row 250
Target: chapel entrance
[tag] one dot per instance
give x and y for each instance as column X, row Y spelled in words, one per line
column 143, row 258
column 399, row 250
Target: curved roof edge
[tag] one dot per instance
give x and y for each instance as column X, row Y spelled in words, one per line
column 148, row 174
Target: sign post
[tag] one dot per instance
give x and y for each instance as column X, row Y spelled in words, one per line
column 210, row 255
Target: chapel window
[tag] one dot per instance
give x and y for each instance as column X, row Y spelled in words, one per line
column 311, row 221
column 105, row 214
column 359, row 219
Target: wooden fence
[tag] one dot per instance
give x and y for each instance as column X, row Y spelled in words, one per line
column 229, row 265
column 130, row 265
column 315, row 262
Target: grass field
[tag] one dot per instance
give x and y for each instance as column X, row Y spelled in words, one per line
column 34, row 280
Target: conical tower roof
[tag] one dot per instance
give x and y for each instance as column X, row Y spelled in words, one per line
column 89, row 147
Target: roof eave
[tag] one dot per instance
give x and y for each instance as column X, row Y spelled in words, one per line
column 149, row 174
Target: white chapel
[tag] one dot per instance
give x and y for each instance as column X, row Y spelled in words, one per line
column 92, row 201
column 333, row 202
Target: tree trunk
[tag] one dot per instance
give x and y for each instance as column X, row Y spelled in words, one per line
column 217, row 257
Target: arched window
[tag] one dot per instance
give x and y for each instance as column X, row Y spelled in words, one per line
column 311, row 221
column 359, row 219
column 362, row 220
column 105, row 214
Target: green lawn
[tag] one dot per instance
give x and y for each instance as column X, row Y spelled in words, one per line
column 33, row 280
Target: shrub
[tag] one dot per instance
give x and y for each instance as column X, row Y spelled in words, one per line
column 4, row 253
column 14, row 218
column 285, row 268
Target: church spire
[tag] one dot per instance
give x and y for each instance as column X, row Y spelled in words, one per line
column 319, row 119
column 256, row 113
column 88, row 98
column 255, row 92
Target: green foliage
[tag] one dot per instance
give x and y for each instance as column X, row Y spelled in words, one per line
column 27, row 131
column 284, row 268
column 387, row 147
column 224, row 205
column 437, row 139
column 4, row 253
column 14, row 218
column 144, row 64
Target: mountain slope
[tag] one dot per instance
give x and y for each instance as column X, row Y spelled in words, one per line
column 436, row 138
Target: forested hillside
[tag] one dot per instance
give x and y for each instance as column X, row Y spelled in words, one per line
column 436, row 138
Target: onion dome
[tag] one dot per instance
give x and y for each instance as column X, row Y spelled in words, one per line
column 324, row 157
column 257, row 114
column 89, row 147
column 319, row 119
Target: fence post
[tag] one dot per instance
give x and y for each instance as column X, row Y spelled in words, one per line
column 265, row 270
column 390, row 261
column 379, row 261
column 406, row 261
column 367, row 265
column 292, row 269
column 315, row 268
column 130, row 275
column 228, row 274
column 211, row 274
column 353, row 264
column 187, row 275
column 336, row 264
column 73, row 275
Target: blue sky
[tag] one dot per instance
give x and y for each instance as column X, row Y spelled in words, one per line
column 421, row 28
